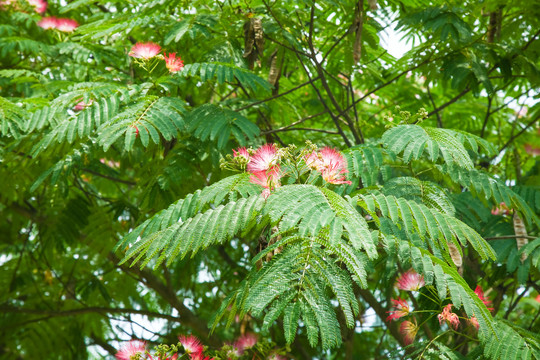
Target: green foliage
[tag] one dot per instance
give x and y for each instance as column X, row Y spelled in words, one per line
column 210, row 122
column 120, row 211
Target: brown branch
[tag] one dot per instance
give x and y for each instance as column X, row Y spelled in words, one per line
column 305, row 129
column 81, row 311
column 488, row 114
column 187, row 317
column 509, row 237
column 127, row 182
column 450, row 102
column 439, row 119
column 513, row 137
column 278, row 95
column 315, row 88
column 380, row 311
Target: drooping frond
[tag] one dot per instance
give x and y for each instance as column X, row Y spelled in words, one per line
column 426, row 192
column 81, row 124
column 60, row 170
column 532, row 251
column 236, row 188
column 118, row 24
column 470, row 210
column 194, row 26
column 310, row 209
column 429, row 223
column 511, row 342
column 211, row 122
column 485, row 187
column 365, row 162
column 149, row 119
column 294, row 284
column 224, row 72
column 414, row 141
column 196, row 233
column 12, row 119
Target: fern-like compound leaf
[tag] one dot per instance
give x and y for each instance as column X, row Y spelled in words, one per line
column 413, row 141
column 211, row 122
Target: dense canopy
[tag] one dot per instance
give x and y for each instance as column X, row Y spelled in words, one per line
column 319, row 179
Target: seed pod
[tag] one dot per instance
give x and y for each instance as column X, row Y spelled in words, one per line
column 520, row 230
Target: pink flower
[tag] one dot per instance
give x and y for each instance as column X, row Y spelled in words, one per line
column 39, row 5
column 173, row 63
column 267, row 179
column 66, row 25
column 81, row 105
column 144, row 50
column 408, row 330
column 246, row 341
column 410, row 281
column 131, row 349
column 402, row 309
column 330, row 163
column 199, row 356
column 448, row 315
column 265, row 158
column 538, row 298
column 241, row 152
column 502, row 209
column 474, row 322
column 191, row 344
column 48, row 23
column 478, row 291
column 532, row 150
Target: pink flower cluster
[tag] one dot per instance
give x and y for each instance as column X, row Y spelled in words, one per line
column 408, row 330
column 193, row 347
column 60, row 24
column 478, row 291
column 263, row 165
column 410, row 281
column 448, row 316
column 136, row 350
column 39, row 5
column 330, row 163
column 502, row 209
column 401, row 309
column 150, row 50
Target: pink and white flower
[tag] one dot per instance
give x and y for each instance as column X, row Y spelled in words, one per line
column 502, row 209
column 474, row 322
column 478, row 291
column 81, row 105
column 246, row 341
column 265, row 158
column 199, row 356
column 144, row 51
column 191, row 344
column 410, row 281
column 241, row 152
column 131, row 349
column 39, row 5
column 448, row 316
column 330, row 163
column 49, row 22
column 401, row 309
column 173, row 63
column 66, row 25
column 408, row 330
